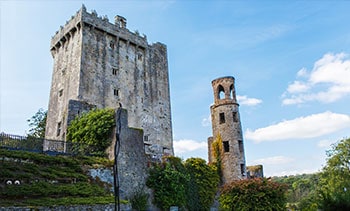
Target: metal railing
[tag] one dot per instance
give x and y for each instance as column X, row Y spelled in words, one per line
column 33, row 144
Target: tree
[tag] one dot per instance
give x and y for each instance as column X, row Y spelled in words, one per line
column 335, row 178
column 37, row 124
column 92, row 131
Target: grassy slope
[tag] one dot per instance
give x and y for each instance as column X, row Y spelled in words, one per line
column 50, row 180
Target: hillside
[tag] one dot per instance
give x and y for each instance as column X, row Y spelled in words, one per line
column 33, row 179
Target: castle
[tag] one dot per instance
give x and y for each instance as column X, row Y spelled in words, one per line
column 227, row 129
column 98, row 64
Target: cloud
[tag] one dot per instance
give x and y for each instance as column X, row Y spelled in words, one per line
column 293, row 172
column 206, row 122
column 327, row 82
column 244, row 100
column 311, row 126
column 325, row 143
column 186, row 145
column 276, row 160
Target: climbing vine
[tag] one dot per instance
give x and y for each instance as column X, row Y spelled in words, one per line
column 217, row 154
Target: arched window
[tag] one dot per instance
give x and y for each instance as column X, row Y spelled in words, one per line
column 232, row 91
column 221, row 92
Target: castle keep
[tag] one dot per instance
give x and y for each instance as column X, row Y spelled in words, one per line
column 98, row 64
column 226, row 126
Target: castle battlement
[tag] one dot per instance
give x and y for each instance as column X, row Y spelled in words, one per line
column 82, row 18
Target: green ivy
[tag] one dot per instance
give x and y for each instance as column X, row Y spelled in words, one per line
column 191, row 185
column 203, row 184
column 92, row 131
column 169, row 182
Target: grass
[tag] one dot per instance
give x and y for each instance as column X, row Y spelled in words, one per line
column 50, row 180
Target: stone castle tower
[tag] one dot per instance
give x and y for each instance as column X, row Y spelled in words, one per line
column 227, row 125
column 98, row 64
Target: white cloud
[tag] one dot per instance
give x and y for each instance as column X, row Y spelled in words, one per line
column 325, row 143
column 311, row 126
column 293, row 172
column 186, row 145
column 244, row 100
column 328, row 81
column 276, row 160
column 206, row 122
column 298, row 86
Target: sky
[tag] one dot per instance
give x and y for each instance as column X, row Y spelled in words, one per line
column 290, row 60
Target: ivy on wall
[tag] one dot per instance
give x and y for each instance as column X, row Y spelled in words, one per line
column 191, row 184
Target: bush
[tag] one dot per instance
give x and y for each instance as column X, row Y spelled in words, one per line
column 169, row 182
column 190, row 185
column 253, row 194
column 92, row 131
column 203, row 184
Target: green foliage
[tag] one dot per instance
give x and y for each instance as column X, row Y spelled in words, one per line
column 203, row 184
column 139, row 200
column 92, row 131
column 253, row 194
column 43, row 176
column 190, row 185
column 169, row 182
column 217, row 154
column 335, row 178
column 37, row 124
column 301, row 193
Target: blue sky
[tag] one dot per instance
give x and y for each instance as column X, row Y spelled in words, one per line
column 290, row 59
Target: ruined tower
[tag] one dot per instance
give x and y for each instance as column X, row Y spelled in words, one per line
column 227, row 128
column 98, row 64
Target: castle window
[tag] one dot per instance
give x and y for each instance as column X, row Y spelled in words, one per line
column 226, row 146
column 58, row 132
column 222, row 118
column 60, row 93
column 139, row 56
column 221, row 92
column 242, row 169
column 235, row 116
column 145, row 138
column 114, row 71
column 240, row 145
column 231, row 91
column 111, row 44
column 116, row 92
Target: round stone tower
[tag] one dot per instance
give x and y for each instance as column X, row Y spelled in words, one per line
column 227, row 129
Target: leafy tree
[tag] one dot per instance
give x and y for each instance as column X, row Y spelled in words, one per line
column 301, row 193
column 92, row 131
column 37, row 124
column 203, row 184
column 335, row 178
column 253, row 194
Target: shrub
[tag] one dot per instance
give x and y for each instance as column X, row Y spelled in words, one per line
column 92, row 131
column 253, row 194
column 203, row 184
